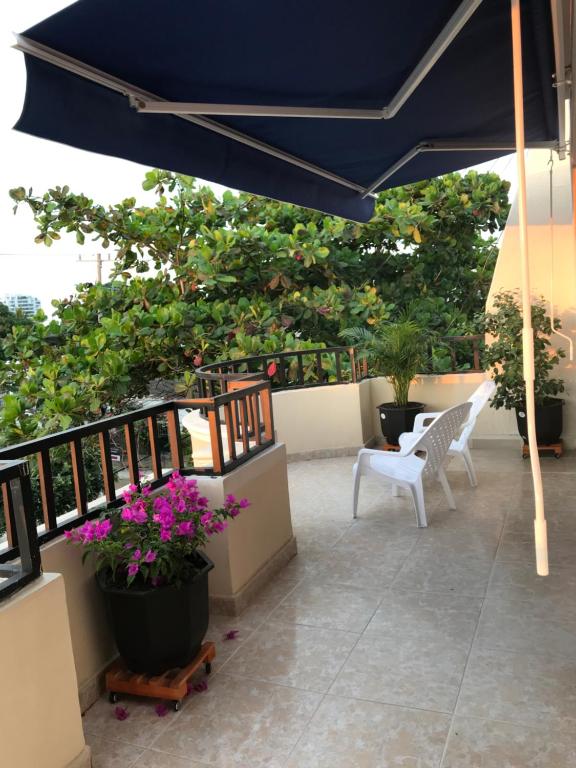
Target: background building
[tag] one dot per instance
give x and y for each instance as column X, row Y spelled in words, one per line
column 28, row 304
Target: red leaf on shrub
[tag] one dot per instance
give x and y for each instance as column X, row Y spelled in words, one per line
column 272, row 369
column 120, row 713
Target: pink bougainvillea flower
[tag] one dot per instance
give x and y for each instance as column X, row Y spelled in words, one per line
column 102, row 529
column 272, row 368
column 165, row 534
column 232, row 634
column 133, row 569
column 121, row 713
column 150, row 556
column 243, row 503
column 146, row 491
column 137, row 554
column 161, row 710
column 201, row 686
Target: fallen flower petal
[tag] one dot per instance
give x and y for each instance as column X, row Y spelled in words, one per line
column 201, row 686
column 232, row 634
column 161, row 710
column 120, row 713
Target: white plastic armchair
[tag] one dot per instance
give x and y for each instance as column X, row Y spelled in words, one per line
column 459, row 446
column 423, row 458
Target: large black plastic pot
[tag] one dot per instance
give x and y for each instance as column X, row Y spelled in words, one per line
column 395, row 419
column 548, row 421
column 158, row 628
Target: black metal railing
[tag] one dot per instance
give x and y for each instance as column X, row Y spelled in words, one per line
column 297, row 369
column 232, row 428
column 20, row 526
column 324, row 366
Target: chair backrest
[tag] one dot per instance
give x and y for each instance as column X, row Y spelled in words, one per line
column 480, row 397
column 436, row 438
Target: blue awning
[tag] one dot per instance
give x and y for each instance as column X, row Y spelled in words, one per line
column 94, row 66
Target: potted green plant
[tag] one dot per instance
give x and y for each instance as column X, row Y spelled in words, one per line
column 398, row 351
column 504, row 359
column 152, row 572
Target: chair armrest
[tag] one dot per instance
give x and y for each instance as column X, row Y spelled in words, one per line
column 419, row 425
column 407, row 439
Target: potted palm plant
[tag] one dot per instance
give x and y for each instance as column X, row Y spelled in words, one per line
column 153, row 574
column 504, row 359
column 398, row 351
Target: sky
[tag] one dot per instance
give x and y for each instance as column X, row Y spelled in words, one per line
column 31, row 162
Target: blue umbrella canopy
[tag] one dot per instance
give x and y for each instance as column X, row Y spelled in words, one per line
column 319, row 104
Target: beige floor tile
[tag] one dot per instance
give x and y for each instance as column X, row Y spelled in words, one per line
column 107, row 753
column 423, row 671
column 519, row 581
column 486, row 744
column 293, row 654
column 319, row 536
column 473, row 542
column 450, row 572
column 329, row 606
column 413, row 614
column 140, row 728
column 240, row 722
column 526, row 689
column 348, row 567
column 153, row 759
column 533, row 626
column 517, row 546
column 345, row 733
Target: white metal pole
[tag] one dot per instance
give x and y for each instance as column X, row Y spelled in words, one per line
column 527, row 332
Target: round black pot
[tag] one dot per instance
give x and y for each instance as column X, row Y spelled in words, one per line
column 548, row 421
column 395, row 419
column 158, row 628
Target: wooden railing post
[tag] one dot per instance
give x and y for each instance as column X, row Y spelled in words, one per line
column 132, row 453
column 173, row 424
column 107, row 469
column 46, row 488
column 79, row 476
column 216, row 441
column 155, row 453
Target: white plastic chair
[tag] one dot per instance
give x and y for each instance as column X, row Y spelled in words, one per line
column 423, row 458
column 459, row 446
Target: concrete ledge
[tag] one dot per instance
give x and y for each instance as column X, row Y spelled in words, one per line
column 83, row 760
column 234, row 605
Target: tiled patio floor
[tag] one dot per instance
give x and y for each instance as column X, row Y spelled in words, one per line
column 384, row 645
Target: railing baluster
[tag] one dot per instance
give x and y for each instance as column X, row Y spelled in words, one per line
column 46, row 488
column 267, row 417
column 78, row 476
column 300, row 369
column 352, row 356
column 282, row 372
column 253, row 400
column 107, row 468
column 319, row 370
column 338, row 367
column 155, row 453
column 476, row 353
column 173, row 423
column 216, row 441
column 132, row 453
column 244, row 421
column 230, row 430
column 8, row 504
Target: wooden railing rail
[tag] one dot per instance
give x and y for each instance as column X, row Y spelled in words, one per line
column 239, row 425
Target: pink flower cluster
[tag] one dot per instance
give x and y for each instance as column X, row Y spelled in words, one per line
column 154, row 536
column 90, row 531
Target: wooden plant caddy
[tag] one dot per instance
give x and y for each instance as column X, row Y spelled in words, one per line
column 388, row 447
column 556, row 448
column 172, row 685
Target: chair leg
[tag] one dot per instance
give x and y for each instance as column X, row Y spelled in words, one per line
column 395, row 490
column 356, row 486
column 469, row 467
column 446, row 487
column 417, row 491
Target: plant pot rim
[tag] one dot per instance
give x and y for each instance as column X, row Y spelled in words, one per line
column 410, row 405
column 142, row 592
column 550, row 402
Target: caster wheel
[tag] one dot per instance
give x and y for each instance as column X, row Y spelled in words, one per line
column 208, row 667
column 177, row 706
column 557, row 455
column 525, row 456
column 113, row 697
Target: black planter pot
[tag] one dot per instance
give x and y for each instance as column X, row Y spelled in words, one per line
column 395, row 419
column 548, row 421
column 159, row 628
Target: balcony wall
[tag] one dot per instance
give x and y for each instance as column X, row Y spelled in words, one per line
column 339, row 419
